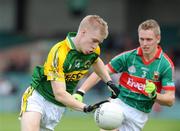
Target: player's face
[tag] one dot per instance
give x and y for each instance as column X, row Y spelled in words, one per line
column 90, row 41
column 148, row 41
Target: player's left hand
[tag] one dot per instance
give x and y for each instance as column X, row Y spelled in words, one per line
column 91, row 108
column 150, row 89
column 114, row 89
column 79, row 95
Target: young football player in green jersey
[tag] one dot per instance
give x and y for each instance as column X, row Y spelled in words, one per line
column 52, row 85
column 145, row 71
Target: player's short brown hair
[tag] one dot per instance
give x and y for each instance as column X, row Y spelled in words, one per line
column 95, row 22
column 150, row 25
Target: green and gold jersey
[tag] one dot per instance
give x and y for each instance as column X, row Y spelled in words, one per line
column 134, row 73
column 64, row 64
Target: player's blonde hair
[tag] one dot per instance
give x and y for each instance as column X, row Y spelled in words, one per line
column 150, row 25
column 94, row 22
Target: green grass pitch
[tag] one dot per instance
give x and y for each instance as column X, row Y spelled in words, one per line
column 10, row 122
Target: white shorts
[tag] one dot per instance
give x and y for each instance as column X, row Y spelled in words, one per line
column 134, row 120
column 51, row 113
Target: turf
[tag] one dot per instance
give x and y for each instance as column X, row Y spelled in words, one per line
column 10, row 122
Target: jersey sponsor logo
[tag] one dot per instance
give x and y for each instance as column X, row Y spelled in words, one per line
column 136, row 84
column 75, row 76
column 133, row 83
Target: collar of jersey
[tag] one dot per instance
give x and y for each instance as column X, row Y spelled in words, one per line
column 158, row 53
column 70, row 43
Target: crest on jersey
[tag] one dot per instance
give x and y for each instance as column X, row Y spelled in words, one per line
column 132, row 69
column 156, row 75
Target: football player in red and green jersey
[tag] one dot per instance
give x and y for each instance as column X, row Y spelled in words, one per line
column 52, row 85
column 145, row 71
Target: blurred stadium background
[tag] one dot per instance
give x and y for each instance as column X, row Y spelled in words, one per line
column 28, row 28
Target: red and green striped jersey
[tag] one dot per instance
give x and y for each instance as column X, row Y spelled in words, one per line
column 134, row 73
column 65, row 64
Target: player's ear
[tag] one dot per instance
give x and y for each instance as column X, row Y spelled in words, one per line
column 158, row 39
column 83, row 31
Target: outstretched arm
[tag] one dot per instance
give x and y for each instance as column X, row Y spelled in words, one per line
column 101, row 70
column 61, row 95
column 67, row 99
column 166, row 99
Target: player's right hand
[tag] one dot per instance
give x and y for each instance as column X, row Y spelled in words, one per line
column 114, row 89
column 91, row 108
column 150, row 89
column 78, row 95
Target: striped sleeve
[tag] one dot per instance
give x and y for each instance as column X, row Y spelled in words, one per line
column 118, row 63
column 53, row 67
column 168, row 75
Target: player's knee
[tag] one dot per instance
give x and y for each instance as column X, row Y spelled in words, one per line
column 30, row 121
